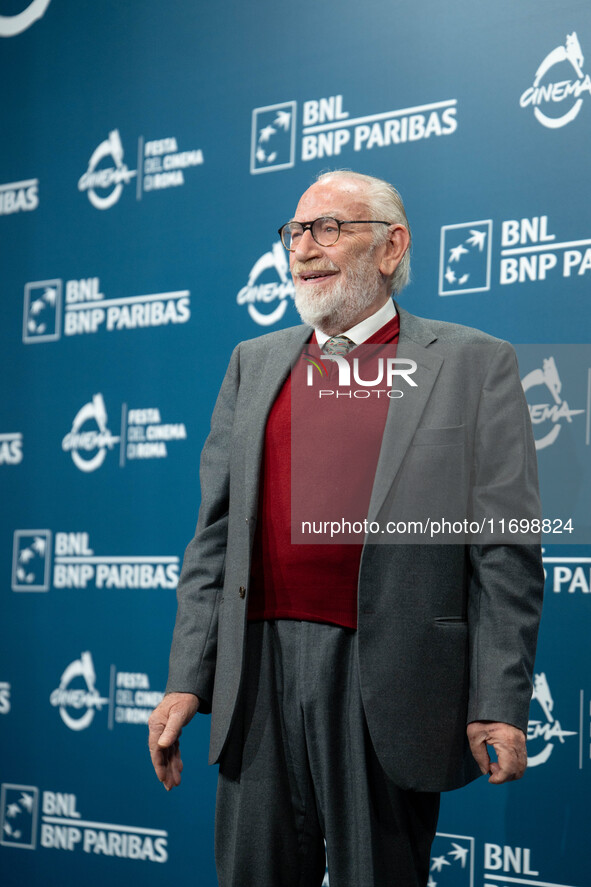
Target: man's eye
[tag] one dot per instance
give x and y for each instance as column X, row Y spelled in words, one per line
column 295, row 235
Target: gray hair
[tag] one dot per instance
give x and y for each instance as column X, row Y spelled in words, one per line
column 384, row 202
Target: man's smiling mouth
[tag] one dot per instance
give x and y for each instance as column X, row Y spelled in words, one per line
column 315, row 276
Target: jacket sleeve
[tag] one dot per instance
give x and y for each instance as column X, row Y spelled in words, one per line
column 194, row 643
column 507, row 582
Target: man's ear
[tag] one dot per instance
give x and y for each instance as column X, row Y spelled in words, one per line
column 394, row 249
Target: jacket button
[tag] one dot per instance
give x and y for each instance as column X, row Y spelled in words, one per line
column 242, row 591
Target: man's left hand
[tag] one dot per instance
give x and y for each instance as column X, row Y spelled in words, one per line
column 509, row 744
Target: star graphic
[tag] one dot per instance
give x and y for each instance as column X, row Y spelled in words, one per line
column 437, row 863
column 283, row 119
column 431, row 882
column 477, row 239
column 456, row 252
column 463, row 279
column 13, row 810
column 459, row 852
column 27, row 801
column 37, row 306
column 266, row 133
column 450, row 276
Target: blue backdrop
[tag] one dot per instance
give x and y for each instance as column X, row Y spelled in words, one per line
column 149, row 153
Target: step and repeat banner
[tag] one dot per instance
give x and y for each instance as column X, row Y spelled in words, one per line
column 149, row 153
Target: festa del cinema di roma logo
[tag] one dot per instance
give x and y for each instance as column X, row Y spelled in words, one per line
column 160, row 166
column 11, row 25
column 548, row 93
column 94, row 441
column 143, row 435
column 261, row 291
column 108, row 177
column 130, row 700
column 543, row 413
column 79, row 699
column 544, row 731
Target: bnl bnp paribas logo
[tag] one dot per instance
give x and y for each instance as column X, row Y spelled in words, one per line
column 556, row 96
column 328, row 130
column 530, row 252
column 454, row 859
column 80, row 308
column 160, row 165
column 42, row 560
column 32, row 819
column 31, row 560
column 20, row 196
column 143, row 435
column 11, row 448
column 11, row 25
column 465, row 257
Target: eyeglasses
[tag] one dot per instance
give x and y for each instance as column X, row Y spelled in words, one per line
column 325, row 231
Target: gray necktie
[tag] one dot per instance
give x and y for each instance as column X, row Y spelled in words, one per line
column 338, row 345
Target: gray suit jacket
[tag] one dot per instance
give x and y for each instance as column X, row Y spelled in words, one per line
column 447, row 633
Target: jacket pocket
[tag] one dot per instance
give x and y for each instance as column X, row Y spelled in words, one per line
column 439, row 437
column 450, row 620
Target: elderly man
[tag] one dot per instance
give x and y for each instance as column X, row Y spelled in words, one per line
column 351, row 682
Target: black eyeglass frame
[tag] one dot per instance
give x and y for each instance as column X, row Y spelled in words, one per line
column 309, row 226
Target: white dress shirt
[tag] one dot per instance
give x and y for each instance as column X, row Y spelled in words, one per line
column 361, row 332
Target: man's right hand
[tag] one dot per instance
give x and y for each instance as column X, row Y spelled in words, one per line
column 166, row 724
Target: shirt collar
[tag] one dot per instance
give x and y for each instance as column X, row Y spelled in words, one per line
column 361, row 332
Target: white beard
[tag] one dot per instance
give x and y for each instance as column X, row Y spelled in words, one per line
column 337, row 307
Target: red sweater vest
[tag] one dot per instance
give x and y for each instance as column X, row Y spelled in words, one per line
column 320, row 455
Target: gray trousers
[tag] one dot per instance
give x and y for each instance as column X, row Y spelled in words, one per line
column 300, row 769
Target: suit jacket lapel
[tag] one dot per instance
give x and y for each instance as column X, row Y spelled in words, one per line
column 404, row 413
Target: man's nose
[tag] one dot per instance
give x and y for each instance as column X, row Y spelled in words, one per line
column 306, row 247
